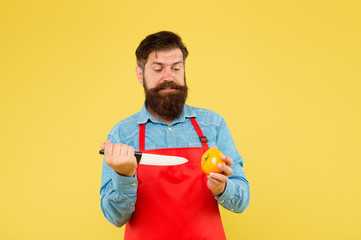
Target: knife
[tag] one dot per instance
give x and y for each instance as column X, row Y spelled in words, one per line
column 155, row 159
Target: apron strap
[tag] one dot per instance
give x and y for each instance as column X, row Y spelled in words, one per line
column 141, row 137
column 202, row 138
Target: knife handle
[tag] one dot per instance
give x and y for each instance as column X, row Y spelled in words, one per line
column 138, row 155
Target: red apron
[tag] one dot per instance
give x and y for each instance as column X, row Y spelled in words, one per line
column 174, row 202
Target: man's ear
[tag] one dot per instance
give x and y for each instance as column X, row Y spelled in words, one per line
column 139, row 72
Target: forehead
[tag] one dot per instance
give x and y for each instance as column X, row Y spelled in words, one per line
column 165, row 56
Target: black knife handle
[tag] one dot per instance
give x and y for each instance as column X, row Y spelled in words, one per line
column 138, row 155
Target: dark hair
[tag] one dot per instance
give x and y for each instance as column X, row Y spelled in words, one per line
column 163, row 40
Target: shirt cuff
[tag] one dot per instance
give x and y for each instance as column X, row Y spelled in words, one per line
column 124, row 184
column 225, row 198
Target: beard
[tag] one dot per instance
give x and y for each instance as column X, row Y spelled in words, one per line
column 168, row 105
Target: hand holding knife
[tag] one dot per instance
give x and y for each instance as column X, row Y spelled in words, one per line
column 155, row 159
column 124, row 160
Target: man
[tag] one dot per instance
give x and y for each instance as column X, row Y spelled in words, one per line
column 169, row 202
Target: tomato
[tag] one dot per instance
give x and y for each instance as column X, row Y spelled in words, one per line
column 210, row 160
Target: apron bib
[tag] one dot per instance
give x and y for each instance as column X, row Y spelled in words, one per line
column 174, row 202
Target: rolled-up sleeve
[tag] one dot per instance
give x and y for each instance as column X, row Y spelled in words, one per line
column 236, row 196
column 118, row 196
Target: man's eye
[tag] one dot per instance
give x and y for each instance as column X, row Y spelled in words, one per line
column 158, row 70
column 176, row 69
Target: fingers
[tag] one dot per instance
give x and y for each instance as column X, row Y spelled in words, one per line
column 130, row 151
column 217, row 183
column 228, row 160
column 108, row 150
column 120, row 158
column 123, row 151
column 227, row 170
column 218, row 177
column 116, row 150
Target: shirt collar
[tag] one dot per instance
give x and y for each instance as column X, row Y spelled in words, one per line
column 145, row 116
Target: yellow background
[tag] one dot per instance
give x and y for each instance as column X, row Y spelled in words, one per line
column 284, row 74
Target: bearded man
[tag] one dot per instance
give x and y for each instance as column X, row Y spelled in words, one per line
column 169, row 202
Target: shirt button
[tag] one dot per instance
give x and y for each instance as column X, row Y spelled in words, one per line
column 133, row 184
column 169, row 128
column 132, row 204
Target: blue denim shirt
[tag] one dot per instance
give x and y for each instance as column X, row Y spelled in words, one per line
column 119, row 193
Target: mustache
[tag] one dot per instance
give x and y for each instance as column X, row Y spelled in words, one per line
column 167, row 85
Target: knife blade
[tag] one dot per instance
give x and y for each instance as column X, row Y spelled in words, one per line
column 156, row 159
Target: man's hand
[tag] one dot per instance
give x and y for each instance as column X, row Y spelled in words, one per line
column 120, row 158
column 217, row 181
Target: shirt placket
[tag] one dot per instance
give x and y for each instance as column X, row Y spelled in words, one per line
column 170, row 135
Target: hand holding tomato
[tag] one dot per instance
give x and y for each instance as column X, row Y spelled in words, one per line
column 218, row 171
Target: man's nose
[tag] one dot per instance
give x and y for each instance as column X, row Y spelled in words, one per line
column 168, row 75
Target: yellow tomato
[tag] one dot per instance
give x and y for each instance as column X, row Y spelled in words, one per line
column 210, row 160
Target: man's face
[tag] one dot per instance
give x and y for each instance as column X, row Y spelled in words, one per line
column 164, row 82
column 164, row 66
